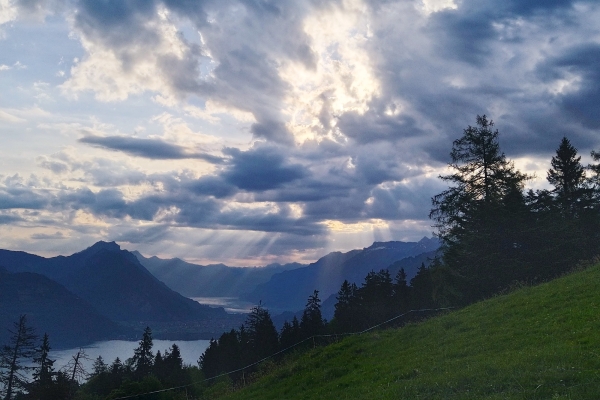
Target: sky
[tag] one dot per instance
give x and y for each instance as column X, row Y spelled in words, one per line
column 256, row 131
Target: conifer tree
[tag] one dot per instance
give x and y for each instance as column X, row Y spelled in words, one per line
column 312, row 322
column 13, row 358
column 401, row 291
column 567, row 175
column 345, row 315
column 44, row 370
column 478, row 238
column 262, row 335
column 142, row 356
column 99, row 366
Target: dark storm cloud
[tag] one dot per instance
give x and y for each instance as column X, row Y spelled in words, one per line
column 260, row 169
column 7, row 219
column 110, row 203
column 463, row 37
column 115, row 18
column 377, row 126
column 465, row 33
column 582, row 61
column 22, row 197
column 211, row 185
column 148, row 148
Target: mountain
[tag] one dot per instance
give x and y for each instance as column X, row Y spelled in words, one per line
column 216, row 280
column 288, row 290
column 50, row 308
column 114, row 283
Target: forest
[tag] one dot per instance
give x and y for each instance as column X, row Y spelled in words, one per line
column 495, row 235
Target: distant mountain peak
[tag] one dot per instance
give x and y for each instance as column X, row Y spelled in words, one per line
column 102, row 245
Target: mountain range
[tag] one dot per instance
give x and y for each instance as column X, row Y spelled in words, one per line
column 215, row 280
column 289, row 290
column 117, row 287
column 104, row 292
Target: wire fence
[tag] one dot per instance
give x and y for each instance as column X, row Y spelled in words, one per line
column 133, row 396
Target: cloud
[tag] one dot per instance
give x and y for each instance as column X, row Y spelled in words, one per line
column 315, row 117
column 21, row 197
column 9, row 219
column 45, row 236
column 148, row 148
column 260, row 169
column 577, row 71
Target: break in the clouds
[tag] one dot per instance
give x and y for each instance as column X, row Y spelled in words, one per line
column 252, row 131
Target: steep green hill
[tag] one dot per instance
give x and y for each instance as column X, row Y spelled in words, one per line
column 539, row 342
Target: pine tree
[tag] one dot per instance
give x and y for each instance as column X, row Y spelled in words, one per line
column 44, row 371
column 345, row 314
column 262, row 335
column 13, row 357
column 312, row 322
column 401, row 292
column 567, row 175
column 472, row 215
column 142, row 356
column 99, row 366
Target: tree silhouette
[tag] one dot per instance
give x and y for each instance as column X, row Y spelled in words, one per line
column 473, row 216
column 43, row 375
column 142, row 355
column 12, row 357
column 567, row 175
column 312, row 322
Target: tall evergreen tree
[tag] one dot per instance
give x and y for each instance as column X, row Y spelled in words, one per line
column 13, row 358
column 401, row 292
column 567, row 175
column 312, row 322
column 142, row 357
column 44, row 370
column 478, row 240
column 345, row 314
column 262, row 335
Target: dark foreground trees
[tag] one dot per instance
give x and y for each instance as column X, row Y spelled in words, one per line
column 493, row 234
column 13, row 358
column 478, row 216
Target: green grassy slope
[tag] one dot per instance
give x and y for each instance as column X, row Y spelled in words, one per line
column 541, row 342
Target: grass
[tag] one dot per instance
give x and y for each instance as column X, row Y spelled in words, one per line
column 538, row 342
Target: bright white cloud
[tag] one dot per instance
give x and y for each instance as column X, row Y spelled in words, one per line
column 114, row 74
column 343, row 79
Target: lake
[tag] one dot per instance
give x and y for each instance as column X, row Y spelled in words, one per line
column 232, row 305
column 111, row 349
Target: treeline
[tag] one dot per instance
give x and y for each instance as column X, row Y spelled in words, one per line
column 27, row 372
column 495, row 234
column 378, row 299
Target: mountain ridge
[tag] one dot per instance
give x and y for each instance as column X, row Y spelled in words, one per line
column 288, row 290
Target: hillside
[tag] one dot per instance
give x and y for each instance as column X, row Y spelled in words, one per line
column 50, row 308
column 536, row 343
